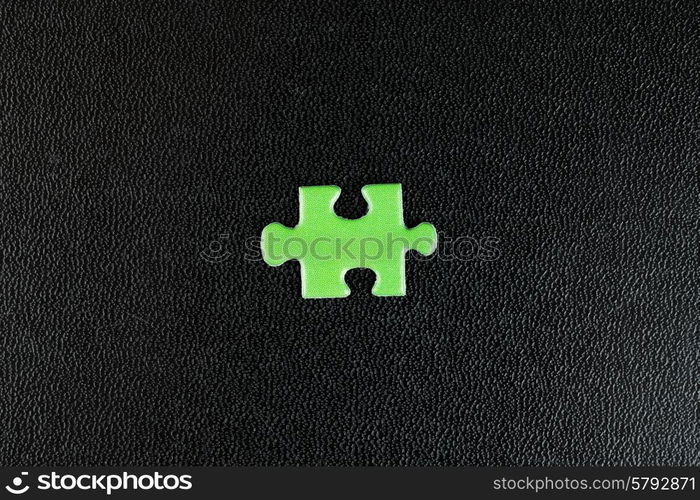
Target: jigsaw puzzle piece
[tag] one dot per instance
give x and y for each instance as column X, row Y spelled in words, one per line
column 327, row 246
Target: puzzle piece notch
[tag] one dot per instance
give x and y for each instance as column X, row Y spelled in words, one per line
column 327, row 246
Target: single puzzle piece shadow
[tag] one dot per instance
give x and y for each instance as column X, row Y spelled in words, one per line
column 327, row 246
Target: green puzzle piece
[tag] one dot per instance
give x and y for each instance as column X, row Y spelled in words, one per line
column 327, row 246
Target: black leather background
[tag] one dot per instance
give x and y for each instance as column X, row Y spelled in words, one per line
column 134, row 135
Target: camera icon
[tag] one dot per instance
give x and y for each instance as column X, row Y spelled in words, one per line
column 16, row 483
column 216, row 251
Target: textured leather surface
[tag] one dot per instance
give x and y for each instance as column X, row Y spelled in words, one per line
column 142, row 143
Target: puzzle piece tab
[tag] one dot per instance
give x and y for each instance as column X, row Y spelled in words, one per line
column 327, row 246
